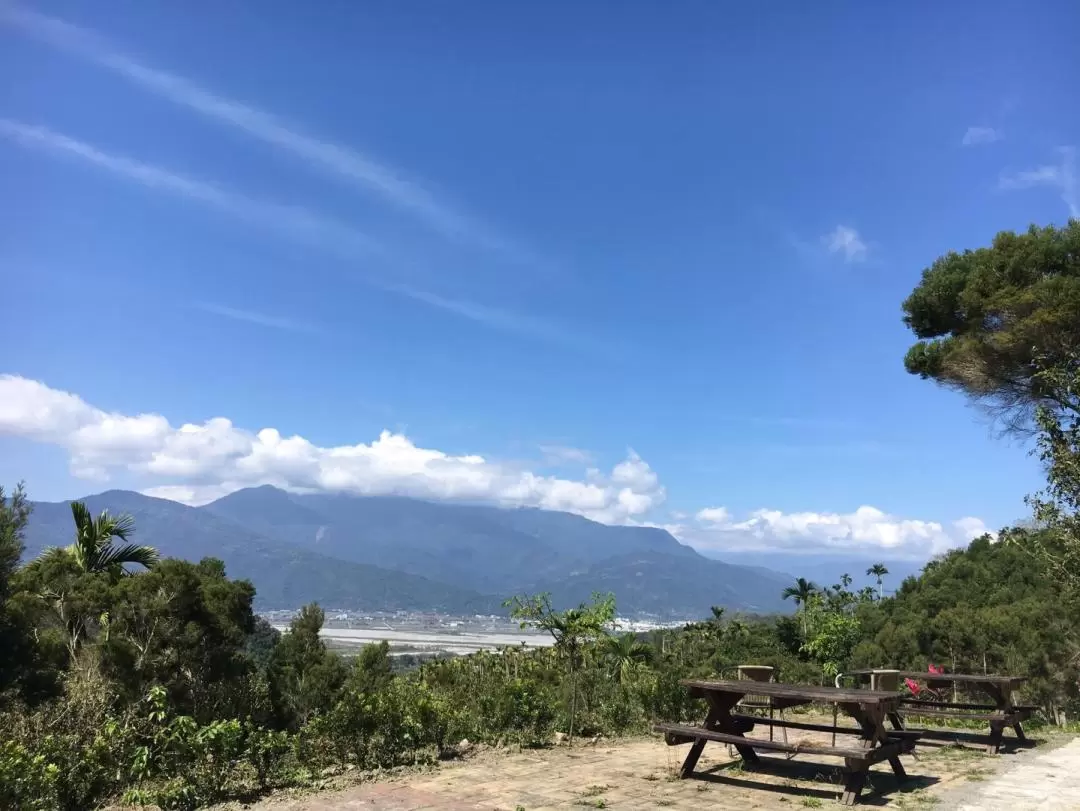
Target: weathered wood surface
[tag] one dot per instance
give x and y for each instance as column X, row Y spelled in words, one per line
column 802, row 692
column 1002, row 713
column 914, row 703
column 964, row 678
column 753, row 720
column 957, row 715
column 868, row 708
column 679, row 732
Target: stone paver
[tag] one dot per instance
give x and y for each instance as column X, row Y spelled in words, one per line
column 1040, row 781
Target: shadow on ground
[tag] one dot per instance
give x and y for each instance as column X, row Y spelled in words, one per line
column 880, row 785
column 938, row 737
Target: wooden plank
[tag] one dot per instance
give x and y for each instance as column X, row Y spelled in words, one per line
column 951, row 705
column 917, row 712
column 699, row 733
column 802, row 725
column 795, row 692
column 963, row 678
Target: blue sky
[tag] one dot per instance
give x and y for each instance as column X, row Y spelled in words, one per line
column 542, row 236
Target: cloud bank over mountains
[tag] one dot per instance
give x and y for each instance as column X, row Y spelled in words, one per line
column 195, row 463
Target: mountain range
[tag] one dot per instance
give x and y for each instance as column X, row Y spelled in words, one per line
column 388, row 553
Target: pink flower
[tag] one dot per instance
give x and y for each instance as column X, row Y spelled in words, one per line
column 913, row 686
column 937, row 669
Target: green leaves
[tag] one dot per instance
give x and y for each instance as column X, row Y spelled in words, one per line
column 570, row 629
column 990, row 321
column 93, row 549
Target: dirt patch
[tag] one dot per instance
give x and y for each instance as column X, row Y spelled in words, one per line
column 643, row 774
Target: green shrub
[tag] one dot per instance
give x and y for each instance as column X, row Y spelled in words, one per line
column 27, row 780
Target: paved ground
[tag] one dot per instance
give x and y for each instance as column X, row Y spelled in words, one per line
column 1046, row 780
column 642, row 775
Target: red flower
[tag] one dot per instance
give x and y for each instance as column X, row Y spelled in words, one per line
column 913, row 686
column 937, row 669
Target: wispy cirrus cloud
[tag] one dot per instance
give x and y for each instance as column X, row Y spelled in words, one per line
column 565, row 455
column 500, row 319
column 845, row 241
column 344, row 163
column 978, row 136
column 296, row 222
column 1060, row 176
column 259, row 319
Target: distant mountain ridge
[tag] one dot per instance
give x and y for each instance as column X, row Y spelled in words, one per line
column 388, row 552
column 285, row 576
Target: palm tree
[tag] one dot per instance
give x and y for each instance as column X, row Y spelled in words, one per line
column 94, row 550
column 801, row 593
column 879, row 571
column 624, row 654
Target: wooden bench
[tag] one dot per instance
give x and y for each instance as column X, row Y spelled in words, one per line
column 675, row 734
column 901, row 734
column 998, row 715
column 868, row 708
column 953, row 715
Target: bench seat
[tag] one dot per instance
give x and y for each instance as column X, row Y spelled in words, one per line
column 751, row 720
column 680, row 733
column 954, row 715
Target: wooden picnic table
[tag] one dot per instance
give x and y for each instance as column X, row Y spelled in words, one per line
column 1001, row 713
column 868, row 708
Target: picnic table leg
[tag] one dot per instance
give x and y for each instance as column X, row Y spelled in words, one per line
column 896, row 721
column 1002, row 697
column 853, row 787
column 897, row 767
column 996, row 730
column 872, row 722
column 698, row 747
column 725, row 723
column 718, row 719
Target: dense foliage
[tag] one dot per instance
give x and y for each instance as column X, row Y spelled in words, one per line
column 161, row 685
column 989, row 321
column 1002, row 324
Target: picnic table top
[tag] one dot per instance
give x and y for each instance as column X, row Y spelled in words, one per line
column 808, row 692
column 973, row 678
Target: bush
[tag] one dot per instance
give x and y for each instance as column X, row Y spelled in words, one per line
column 27, row 780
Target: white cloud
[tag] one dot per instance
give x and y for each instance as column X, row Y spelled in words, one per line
column 865, row 530
column 846, row 241
column 340, row 161
column 1060, row 176
column 713, row 516
column 563, row 455
column 260, row 319
column 976, row 136
column 207, row 460
column 501, row 319
column 291, row 221
column 198, row 462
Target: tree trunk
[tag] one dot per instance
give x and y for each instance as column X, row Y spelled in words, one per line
column 573, row 702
